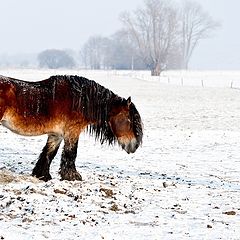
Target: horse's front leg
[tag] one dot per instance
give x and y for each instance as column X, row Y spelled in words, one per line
column 67, row 167
column 41, row 170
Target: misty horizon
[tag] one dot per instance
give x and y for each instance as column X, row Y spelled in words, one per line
column 29, row 28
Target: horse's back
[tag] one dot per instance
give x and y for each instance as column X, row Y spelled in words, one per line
column 35, row 108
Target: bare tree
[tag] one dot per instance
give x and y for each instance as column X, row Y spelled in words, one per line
column 123, row 52
column 167, row 36
column 91, row 52
column 94, row 52
column 154, row 29
column 195, row 25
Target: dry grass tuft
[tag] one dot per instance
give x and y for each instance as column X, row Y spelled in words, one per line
column 9, row 177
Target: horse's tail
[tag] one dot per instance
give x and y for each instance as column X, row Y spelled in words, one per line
column 7, row 94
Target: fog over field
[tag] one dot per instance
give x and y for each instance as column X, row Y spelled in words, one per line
column 29, row 27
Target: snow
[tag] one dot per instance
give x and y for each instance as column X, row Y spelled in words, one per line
column 183, row 183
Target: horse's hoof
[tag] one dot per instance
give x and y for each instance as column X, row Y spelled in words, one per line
column 40, row 176
column 71, row 176
column 43, row 178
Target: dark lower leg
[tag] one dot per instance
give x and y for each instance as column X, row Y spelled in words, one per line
column 41, row 169
column 67, row 168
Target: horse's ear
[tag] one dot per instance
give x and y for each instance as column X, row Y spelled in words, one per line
column 129, row 101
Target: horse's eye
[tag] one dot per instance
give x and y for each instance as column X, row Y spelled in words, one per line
column 122, row 121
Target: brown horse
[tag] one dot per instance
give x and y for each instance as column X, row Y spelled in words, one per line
column 62, row 107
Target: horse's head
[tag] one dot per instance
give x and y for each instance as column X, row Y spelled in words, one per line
column 126, row 125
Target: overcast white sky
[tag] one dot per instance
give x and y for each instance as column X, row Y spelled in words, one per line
column 34, row 25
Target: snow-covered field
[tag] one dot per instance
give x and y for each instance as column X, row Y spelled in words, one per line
column 183, row 183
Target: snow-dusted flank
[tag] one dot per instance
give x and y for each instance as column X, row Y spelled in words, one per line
column 183, row 183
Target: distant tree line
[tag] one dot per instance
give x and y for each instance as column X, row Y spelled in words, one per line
column 160, row 35
column 115, row 52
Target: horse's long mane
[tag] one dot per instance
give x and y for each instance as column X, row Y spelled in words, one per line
column 94, row 102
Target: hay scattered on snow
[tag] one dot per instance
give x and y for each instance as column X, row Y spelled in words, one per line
column 9, row 177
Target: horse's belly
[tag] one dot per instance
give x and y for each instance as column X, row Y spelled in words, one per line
column 30, row 126
column 39, row 125
column 9, row 126
column 22, row 128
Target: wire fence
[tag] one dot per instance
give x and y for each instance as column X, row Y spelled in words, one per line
column 223, row 79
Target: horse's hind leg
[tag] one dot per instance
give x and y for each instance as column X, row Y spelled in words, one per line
column 67, row 168
column 41, row 169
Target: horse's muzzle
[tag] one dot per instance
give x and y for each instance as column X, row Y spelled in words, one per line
column 131, row 146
